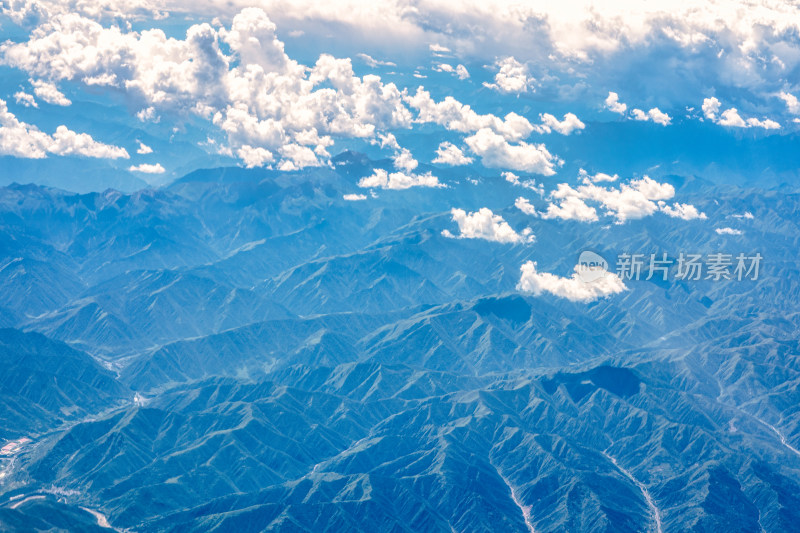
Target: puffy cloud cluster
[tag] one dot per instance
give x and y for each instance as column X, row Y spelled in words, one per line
column 654, row 115
column 636, row 199
column 728, row 231
column 460, row 71
column 25, row 140
column 613, row 104
column 450, row 154
column 456, row 116
column 569, row 124
column 731, row 118
column 496, row 152
column 264, row 101
column 573, row 288
column 383, row 179
column 49, row 93
column 483, row 224
column 354, row 197
column 512, row 77
column 791, row 101
column 528, row 184
column 743, row 45
column 148, row 169
column 597, row 178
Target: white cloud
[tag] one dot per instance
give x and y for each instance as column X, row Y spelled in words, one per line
column 450, row 154
column 597, row 178
column 711, row 108
column 573, row 288
column 633, row 200
column 148, row 169
column 239, row 78
column 528, row 184
column 654, row 114
column 374, row 63
column 382, row 179
column 354, row 197
column 483, row 224
column 524, row 205
column 728, row 231
column 143, row 149
column 456, row 116
column 460, row 71
column 683, row 211
column 512, row 77
column 731, row 117
column 25, row 140
column 49, row 93
column 438, row 48
column 746, row 215
column 613, row 103
column 496, row 152
column 766, row 124
column 254, row 156
column 569, row 124
column 792, row 103
column 23, row 98
column 403, row 160
column 571, row 208
column 722, row 41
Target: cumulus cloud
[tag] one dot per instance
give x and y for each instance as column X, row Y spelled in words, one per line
column 613, row 103
column 483, row 224
column 721, row 41
column 26, row 99
column 528, row 184
column 682, row 211
column 354, row 197
column 711, row 108
column 792, row 103
column 731, row 117
column 512, row 77
column 255, row 156
column 496, row 152
column 569, row 124
column 143, row 149
column 572, row 288
column 239, row 78
column 571, row 208
column 460, row 71
column 148, row 169
column 728, row 231
column 455, row 116
column 403, row 160
column 49, row 93
column 636, row 199
column 524, row 205
column 27, row 141
column 597, row 178
column 382, row 179
column 374, row 63
column 450, row 154
column 654, row 115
